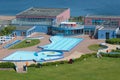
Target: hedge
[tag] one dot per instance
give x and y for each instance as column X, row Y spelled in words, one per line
column 110, row 55
column 7, row 65
column 38, row 65
column 115, row 50
column 113, row 41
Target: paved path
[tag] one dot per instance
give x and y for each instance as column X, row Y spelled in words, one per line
column 110, row 47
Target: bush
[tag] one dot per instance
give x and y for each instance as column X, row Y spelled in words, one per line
column 113, row 41
column 32, row 65
column 7, row 65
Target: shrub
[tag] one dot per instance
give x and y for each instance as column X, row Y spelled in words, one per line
column 113, row 41
column 7, row 65
column 38, row 65
column 115, row 50
column 7, row 30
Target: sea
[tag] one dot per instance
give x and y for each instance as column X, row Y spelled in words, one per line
column 77, row 7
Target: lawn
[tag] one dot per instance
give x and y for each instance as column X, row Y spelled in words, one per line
column 89, row 69
column 95, row 47
column 23, row 44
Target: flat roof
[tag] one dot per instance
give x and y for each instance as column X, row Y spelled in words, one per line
column 23, row 27
column 108, row 28
column 35, row 11
column 68, row 22
column 101, row 16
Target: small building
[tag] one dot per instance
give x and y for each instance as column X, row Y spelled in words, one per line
column 105, row 26
column 23, row 31
column 107, row 33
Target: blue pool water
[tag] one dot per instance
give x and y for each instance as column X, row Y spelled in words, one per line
column 60, row 43
column 32, row 55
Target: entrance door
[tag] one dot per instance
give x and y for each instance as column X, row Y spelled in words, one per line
column 23, row 34
column 107, row 35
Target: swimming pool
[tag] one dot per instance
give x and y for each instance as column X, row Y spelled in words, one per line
column 32, row 55
column 60, row 43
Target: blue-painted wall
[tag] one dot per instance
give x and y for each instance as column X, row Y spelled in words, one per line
column 89, row 27
column 18, row 32
column 102, row 34
column 28, row 32
column 41, row 28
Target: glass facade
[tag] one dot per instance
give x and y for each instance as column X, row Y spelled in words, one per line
column 105, row 22
column 64, row 31
column 33, row 21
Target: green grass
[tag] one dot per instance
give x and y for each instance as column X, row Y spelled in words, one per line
column 23, row 44
column 89, row 69
column 94, row 47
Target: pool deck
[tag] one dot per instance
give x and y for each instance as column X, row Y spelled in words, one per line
column 77, row 51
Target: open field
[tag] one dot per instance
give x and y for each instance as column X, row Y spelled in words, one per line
column 89, row 69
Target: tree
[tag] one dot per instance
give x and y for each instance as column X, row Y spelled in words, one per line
column 7, row 30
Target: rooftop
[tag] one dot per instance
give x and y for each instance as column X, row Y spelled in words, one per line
column 101, row 16
column 23, row 27
column 34, row 11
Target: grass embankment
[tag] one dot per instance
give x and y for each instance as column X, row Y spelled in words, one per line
column 89, row 69
column 95, row 47
column 24, row 43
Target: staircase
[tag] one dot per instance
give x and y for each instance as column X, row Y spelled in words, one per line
column 96, row 30
column 19, row 67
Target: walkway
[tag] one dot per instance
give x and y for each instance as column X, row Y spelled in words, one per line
column 110, row 47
